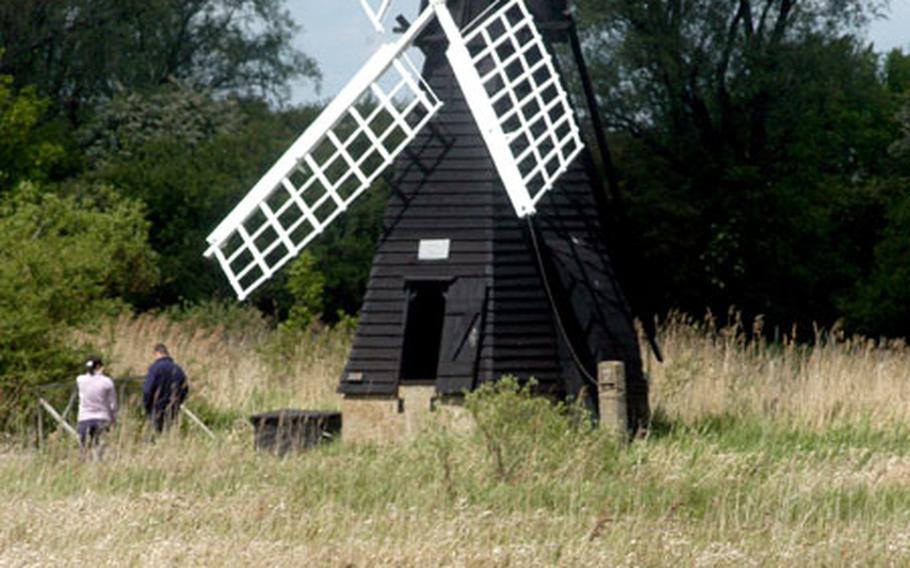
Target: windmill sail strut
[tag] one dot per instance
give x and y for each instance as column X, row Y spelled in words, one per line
column 512, row 89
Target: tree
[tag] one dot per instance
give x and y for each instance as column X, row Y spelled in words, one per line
column 329, row 278
column 344, row 253
column 898, row 79
column 189, row 158
column 64, row 261
column 901, row 148
column 881, row 302
column 897, row 71
column 745, row 133
column 77, row 51
column 123, row 127
column 307, row 288
column 24, row 151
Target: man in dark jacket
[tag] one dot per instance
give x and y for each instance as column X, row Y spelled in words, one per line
column 164, row 390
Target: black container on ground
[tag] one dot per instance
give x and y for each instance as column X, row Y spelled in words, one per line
column 283, row 431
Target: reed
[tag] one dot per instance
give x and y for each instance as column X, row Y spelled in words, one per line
column 760, row 455
column 242, row 368
column 734, row 370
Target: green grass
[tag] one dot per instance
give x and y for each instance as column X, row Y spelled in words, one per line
column 757, row 456
column 724, row 491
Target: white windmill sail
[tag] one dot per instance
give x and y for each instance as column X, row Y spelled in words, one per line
column 331, row 164
column 376, row 11
column 510, row 83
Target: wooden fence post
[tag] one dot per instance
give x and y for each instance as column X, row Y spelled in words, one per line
column 39, row 436
column 198, row 422
column 56, row 416
column 611, row 383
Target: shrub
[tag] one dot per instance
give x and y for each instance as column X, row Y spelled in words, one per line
column 307, row 286
column 524, row 432
column 64, row 262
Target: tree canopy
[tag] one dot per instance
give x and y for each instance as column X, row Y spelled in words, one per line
column 752, row 141
column 127, row 129
column 25, row 151
column 77, row 51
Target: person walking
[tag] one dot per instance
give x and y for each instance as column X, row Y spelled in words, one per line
column 97, row 408
column 164, row 390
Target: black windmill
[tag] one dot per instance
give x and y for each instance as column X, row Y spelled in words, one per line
column 493, row 258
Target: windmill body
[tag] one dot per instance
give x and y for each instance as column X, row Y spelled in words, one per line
column 478, row 309
column 492, row 260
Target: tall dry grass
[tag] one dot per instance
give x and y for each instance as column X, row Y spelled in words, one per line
column 734, row 370
column 709, row 370
column 243, row 368
column 775, row 455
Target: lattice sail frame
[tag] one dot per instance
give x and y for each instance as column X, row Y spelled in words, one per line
column 376, row 11
column 510, row 83
column 332, row 163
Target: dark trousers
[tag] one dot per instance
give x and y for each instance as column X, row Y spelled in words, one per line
column 162, row 419
column 90, row 432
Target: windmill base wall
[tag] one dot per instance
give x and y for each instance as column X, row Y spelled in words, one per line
column 420, row 408
column 390, row 418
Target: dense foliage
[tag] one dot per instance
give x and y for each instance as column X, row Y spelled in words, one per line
column 25, row 152
column 762, row 152
column 752, row 146
column 77, row 51
column 64, row 262
column 190, row 159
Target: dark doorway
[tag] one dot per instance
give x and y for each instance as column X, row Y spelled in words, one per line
column 423, row 331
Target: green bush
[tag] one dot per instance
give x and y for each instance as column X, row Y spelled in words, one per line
column 307, row 286
column 64, row 263
column 527, row 434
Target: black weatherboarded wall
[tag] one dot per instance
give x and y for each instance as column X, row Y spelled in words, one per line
column 484, row 310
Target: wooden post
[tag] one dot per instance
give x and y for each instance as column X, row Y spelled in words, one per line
column 69, row 405
column 196, row 420
column 40, row 418
column 611, row 383
column 56, row 416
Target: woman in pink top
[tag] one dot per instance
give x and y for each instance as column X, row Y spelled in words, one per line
column 97, row 407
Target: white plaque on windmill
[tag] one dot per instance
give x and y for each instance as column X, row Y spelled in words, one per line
column 434, row 249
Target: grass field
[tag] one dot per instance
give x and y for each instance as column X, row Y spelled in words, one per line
column 760, row 455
